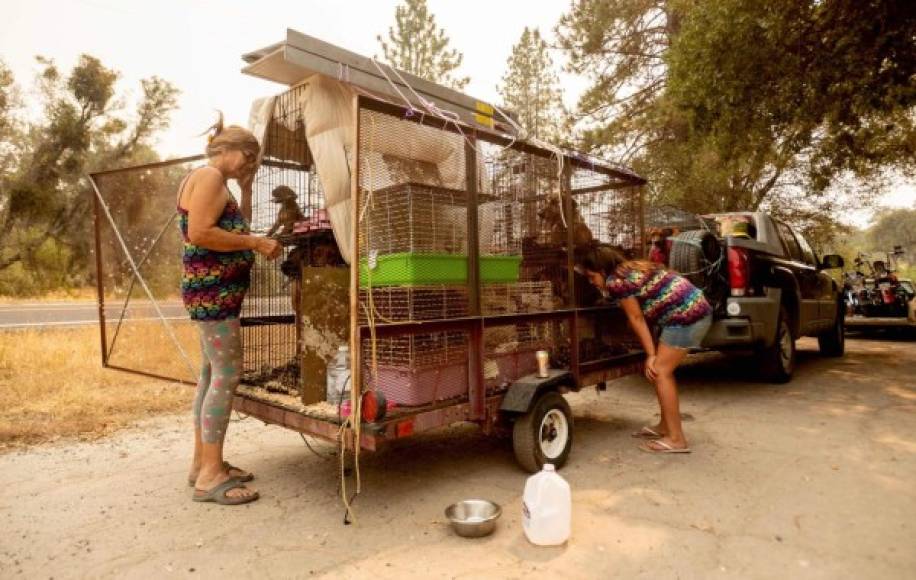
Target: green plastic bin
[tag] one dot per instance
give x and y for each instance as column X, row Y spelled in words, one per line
column 413, row 269
column 499, row 269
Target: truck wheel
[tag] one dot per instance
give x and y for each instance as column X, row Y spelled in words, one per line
column 778, row 361
column 544, row 434
column 833, row 342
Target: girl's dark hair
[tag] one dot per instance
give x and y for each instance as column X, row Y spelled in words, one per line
column 607, row 259
column 600, row 258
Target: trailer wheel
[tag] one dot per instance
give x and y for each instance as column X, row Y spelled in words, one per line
column 544, row 434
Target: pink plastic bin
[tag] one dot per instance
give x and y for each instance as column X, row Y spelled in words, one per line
column 413, row 387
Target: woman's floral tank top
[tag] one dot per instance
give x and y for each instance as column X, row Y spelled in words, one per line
column 213, row 284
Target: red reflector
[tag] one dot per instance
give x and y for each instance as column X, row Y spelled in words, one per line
column 738, row 271
column 404, row 428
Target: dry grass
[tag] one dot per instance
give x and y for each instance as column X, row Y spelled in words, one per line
column 52, row 384
column 86, row 293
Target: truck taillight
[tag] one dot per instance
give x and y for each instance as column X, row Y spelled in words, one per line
column 738, row 271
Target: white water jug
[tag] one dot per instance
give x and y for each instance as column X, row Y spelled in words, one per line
column 547, row 508
column 338, row 376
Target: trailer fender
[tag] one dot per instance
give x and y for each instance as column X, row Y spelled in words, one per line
column 524, row 392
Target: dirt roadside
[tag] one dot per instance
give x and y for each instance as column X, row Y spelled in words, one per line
column 809, row 480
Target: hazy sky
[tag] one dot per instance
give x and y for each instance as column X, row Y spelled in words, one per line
column 197, row 45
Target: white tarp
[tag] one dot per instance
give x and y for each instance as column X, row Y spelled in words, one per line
column 327, row 106
column 262, row 111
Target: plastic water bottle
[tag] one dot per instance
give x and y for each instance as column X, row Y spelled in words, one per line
column 547, row 508
column 338, row 375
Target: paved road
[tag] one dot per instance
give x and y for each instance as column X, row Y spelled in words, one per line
column 81, row 312
column 813, row 479
column 75, row 313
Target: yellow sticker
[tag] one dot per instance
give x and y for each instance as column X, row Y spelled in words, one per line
column 484, row 120
column 485, row 108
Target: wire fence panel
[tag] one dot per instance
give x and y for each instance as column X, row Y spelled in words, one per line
column 136, row 211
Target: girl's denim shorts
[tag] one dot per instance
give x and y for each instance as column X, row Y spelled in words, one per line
column 687, row 336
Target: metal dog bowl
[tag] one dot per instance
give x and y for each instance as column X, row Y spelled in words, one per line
column 473, row 518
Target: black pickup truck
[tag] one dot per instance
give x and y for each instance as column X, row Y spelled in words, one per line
column 767, row 287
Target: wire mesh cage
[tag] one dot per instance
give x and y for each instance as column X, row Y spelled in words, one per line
column 509, row 350
column 287, row 203
column 533, row 207
column 298, row 313
column 520, row 218
column 413, row 303
column 432, row 200
column 418, row 369
column 413, row 256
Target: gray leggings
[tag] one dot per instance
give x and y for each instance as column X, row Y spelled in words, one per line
column 221, row 367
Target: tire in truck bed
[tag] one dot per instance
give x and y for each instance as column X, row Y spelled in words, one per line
column 698, row 255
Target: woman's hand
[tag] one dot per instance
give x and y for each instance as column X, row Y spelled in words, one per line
column 651, row 372
column 246, row 181
column 267, row 247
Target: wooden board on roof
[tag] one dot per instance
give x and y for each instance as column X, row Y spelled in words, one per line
column 301, row 56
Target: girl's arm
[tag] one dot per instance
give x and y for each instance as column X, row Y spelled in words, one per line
column 638, row 324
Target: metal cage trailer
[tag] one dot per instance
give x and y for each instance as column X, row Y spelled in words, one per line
column 438, row 247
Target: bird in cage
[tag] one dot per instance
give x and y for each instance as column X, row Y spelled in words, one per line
column 552, row 221
column 289, row 212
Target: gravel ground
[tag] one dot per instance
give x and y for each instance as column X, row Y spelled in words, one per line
column 808, row 480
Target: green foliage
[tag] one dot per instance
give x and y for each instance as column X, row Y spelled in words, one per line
column 46, row 269
column 740, row 104
column 530, row 88
column 620, row 45
column 894, row 227
column 44, row 194
column 416, row 45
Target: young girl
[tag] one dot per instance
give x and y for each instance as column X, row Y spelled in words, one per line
column 650, row 294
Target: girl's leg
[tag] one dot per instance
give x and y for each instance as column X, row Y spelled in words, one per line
column 223, row 347
column 666, row 362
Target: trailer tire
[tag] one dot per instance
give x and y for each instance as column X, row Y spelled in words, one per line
column 544, row 434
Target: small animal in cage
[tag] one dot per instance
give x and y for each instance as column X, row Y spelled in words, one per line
column 318, row 251
column 289, row 212
column 552, row 220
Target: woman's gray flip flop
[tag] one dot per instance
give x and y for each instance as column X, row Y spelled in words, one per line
column 228, row 467
column 218, row 493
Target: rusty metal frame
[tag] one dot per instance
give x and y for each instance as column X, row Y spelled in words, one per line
column 475, row 321
column 376, row 435
column 478, row 407
column 94, row 192
column 99, row 209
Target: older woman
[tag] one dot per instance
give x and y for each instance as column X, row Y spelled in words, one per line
column 650, row 294
column 218, row 254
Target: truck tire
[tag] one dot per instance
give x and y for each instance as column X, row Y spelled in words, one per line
column 697, row 255
column 833, row 342
column 544, row 434
column 778, row 361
